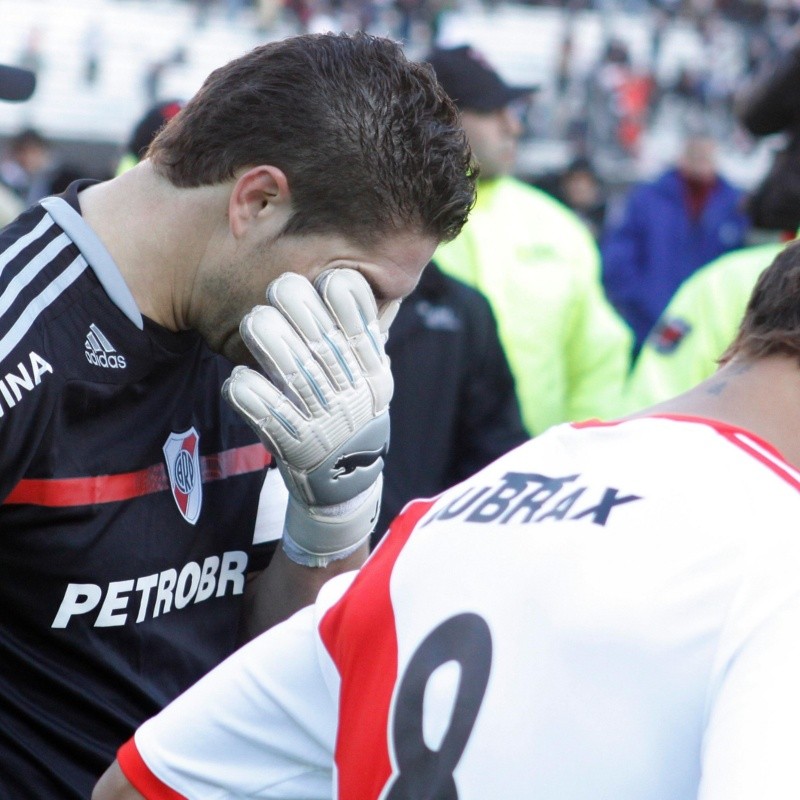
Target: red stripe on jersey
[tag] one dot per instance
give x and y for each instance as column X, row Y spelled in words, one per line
column 359, row 634
column 140, row 777
column 765, row 453
column 67, row 492
column 236, row 461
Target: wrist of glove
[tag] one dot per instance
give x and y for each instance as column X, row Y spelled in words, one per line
column 310, row 528
column 320, row 406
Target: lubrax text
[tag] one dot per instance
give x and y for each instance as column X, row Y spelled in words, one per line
column 525, row 497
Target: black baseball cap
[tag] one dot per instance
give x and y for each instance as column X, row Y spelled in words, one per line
column 471, row 81
column 16, row 83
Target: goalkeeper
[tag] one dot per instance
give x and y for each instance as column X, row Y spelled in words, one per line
column 141, row 517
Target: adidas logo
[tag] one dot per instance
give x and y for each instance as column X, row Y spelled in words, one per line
column 100, row 352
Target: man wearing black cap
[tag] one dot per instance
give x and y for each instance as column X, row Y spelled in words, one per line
column 487, row 106
column 534, row 259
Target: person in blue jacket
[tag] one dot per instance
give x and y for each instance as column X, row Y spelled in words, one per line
column 666, row 230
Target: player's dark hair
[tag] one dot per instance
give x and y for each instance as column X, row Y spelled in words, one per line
column 771, row 323
column 368, row 140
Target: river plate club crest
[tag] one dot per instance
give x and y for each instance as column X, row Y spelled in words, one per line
column 182, row 454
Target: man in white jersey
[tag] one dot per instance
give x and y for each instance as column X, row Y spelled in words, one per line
column 609, row 611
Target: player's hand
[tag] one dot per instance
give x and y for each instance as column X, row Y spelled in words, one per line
column 323, row 408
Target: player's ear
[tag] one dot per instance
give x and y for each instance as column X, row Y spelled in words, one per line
column 258, row 193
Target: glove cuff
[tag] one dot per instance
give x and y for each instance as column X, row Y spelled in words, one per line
column 314, row 536
column 306, row 559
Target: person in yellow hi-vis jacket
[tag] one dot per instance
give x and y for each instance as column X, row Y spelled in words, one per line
column 697, row 326
column 534, row 260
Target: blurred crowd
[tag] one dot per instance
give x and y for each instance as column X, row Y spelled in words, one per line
column 602, row 98
column 584, row 290
column 594, row 248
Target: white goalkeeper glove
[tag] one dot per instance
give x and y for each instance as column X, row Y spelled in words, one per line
column 323, row 409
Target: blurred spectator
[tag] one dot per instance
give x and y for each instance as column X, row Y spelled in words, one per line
column 535, row 261
column 579, row 187
column 454, row 409
column 267, row 13
column 155, row 71
column 689, row 86
column 145, row 130
column 769, row 104
column 303, row 12
column 31, row 167
column 702, row 318
column 16, row 85
column 32, row 55
column 619, row 101
column 233, row 8
column 697, row 326
column 25, row 154
column 202, row 11
column 408, row 12
column 10, row 206
column 666, row 230
column 92, row 47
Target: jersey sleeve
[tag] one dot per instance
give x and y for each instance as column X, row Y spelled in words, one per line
column 751, row 733
column 750, row 744
column 29, row 386
column 260, row 725
column 270, row 516
column 272, row 504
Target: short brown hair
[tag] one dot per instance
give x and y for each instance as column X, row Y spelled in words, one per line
column 368, row 140
column 771, row 323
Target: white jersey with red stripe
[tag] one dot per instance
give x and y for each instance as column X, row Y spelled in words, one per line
column 609, row 611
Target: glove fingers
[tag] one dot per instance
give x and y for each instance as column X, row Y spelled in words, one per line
column 286, row 359
column 264, row 408
column 323, row 407
column 352, row 304
column 386, row 317
column 300, row 303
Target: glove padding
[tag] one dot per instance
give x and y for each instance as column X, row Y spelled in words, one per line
column 323, row 409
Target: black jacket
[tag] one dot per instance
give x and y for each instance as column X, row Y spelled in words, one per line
column 454, row 409
column 769, row 104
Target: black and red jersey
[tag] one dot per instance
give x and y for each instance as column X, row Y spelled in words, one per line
column 129, row 493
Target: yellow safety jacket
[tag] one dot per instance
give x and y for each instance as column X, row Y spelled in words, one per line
column 538, row 265
column 697, row 326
